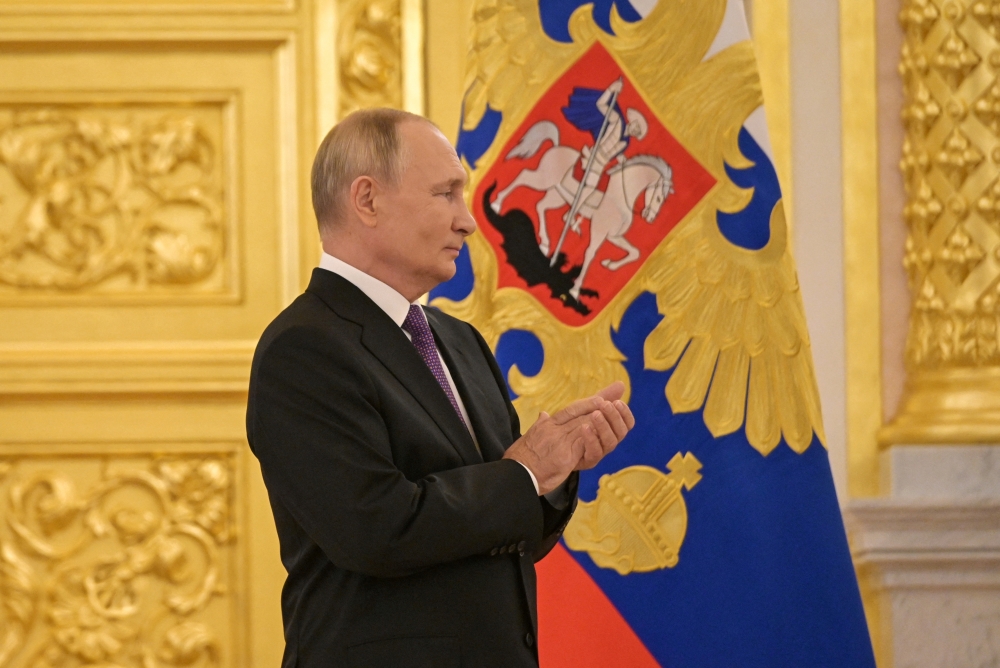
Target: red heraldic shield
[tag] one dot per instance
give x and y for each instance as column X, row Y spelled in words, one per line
column 589, row 184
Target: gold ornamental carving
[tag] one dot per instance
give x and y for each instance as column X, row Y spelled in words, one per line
column 370, row 54
column 111, row 200
column 950, row 66
column 115, row 562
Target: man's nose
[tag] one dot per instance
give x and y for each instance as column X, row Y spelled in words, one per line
column 465, row 222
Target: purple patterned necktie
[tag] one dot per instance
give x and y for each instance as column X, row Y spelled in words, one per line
column 423, row 340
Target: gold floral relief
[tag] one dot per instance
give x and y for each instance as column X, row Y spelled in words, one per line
column 117, row 561
column 113, row 200
column 370, row 54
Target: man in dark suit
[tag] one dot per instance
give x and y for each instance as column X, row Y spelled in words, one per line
column 409, row 507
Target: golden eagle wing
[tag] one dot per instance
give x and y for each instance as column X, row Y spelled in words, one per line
column 734, row 327
column 508, row 53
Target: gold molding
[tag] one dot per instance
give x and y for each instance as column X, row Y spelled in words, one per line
column 160, row 7
column 772, row 44
column 948, row 407
column 412, row 48
column 175, row 367
column 859, row 110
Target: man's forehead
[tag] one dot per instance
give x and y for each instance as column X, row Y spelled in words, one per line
column 429, row 149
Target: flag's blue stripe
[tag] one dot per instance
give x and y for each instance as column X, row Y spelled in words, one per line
column 765, row 578
column 460, row 285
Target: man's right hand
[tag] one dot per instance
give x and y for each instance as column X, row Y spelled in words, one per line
column 577, row 437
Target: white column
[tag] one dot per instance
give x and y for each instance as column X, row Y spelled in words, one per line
column 934, row 546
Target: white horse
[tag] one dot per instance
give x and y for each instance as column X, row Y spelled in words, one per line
column 610, row 213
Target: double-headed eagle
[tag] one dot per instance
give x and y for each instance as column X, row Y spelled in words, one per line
column 733, row 326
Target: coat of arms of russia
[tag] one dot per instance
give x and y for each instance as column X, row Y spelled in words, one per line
column 631, row 227
column 614, row 160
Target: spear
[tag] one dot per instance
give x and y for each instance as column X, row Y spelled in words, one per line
column 586, row 172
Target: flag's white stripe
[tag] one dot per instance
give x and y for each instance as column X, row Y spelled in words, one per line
column 644, row 7
column 756, row 125
column 733, row 30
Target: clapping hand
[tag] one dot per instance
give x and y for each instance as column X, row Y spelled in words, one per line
column 576, row 438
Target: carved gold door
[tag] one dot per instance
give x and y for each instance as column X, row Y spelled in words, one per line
column 154, row 216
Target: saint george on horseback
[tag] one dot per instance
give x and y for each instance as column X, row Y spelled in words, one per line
column 583, row 179
column 590, row 110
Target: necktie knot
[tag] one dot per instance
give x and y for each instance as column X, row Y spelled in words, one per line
column 420, row 333
column 416, row 326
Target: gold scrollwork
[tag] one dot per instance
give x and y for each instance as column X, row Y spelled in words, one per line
column 370, row 54
column 950, row 65
column 109, row 202
column 123, row 574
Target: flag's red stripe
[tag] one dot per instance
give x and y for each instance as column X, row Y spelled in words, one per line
column 578, row 626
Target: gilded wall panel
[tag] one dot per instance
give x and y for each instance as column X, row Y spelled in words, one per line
column 123, row 199
column 125, row 560
column 147, row 189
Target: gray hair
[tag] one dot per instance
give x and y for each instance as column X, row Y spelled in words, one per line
column 365, row 143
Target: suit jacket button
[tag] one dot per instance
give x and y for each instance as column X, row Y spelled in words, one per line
column 512, row 549
column 521, row 546
column 503, row 550
column 494, row 552
column 529, row 639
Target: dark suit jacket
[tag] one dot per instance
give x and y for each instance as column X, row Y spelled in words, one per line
column 404, row 545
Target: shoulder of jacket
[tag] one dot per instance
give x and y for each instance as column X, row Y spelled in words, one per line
column 307, row 319
column 441, row 318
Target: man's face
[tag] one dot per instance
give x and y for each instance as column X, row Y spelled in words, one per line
column 425, row 220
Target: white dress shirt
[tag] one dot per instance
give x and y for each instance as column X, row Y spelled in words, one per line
column 396, row 306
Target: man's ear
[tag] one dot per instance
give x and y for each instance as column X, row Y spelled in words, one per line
column 362, row 199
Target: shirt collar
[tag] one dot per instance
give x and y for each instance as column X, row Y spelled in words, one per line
column 394, row 304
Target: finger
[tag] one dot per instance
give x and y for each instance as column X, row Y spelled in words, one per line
column 615, row 419
column 604, row 432
column 593, row 451
column 626, row 414
column 578, row 409
column 613, row 392
column 589, row 446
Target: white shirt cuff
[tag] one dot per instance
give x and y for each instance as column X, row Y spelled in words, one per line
column 534, row 480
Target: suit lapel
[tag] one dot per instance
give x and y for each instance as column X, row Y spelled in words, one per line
column 387, row 342
column 475, row 400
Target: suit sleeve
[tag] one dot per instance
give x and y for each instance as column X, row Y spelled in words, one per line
column 554, row 519
column 325, row 454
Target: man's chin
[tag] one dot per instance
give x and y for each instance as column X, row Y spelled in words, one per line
column 444, row 274
column 449, row 272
